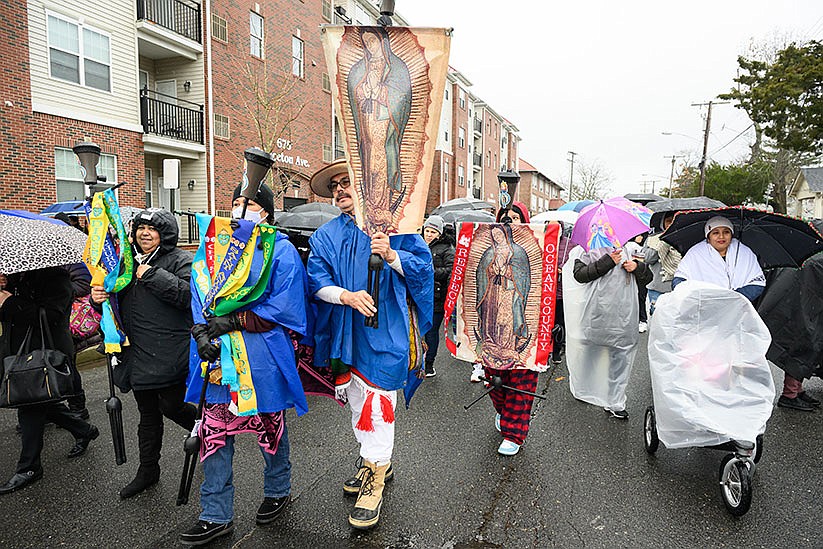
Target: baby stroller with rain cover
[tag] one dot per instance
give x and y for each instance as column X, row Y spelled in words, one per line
column 711, row 383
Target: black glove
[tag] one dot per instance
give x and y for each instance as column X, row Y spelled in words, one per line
column 207, row 350
column 220, row 325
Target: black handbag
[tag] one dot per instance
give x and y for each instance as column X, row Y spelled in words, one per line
column 36, row 377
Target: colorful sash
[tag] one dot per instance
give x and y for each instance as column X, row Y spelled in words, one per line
column 231, row 269
column 110, row 264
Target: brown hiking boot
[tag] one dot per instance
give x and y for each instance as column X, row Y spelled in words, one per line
column 366, row 511
column 351, row 486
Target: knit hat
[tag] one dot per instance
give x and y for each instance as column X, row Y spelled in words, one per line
column 717, row 221
column 435, row 222
column 264, row 197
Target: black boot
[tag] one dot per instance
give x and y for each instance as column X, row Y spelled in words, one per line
column 146, row 477
column 150, row 439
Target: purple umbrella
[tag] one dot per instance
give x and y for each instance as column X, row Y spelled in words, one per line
column 606, row 224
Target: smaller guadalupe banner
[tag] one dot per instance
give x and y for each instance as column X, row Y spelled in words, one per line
column 500, row 304
column 387, row 84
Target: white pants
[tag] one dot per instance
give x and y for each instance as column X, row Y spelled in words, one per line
column 375, row 446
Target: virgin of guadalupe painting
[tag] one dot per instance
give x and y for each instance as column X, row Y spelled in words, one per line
column 500, row 302
column 503, row 285
column 380, row 94
column 388, row 89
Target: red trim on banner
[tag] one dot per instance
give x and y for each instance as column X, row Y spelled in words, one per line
column 461, row 256
column 210, row 248
column 548, row 297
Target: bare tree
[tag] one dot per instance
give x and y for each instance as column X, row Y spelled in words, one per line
column 592, row 181
column 267, row 98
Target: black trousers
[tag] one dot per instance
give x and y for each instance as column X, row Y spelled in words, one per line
column 77, row 402
column 153, row 404
column 32, row 420
column 559, row 320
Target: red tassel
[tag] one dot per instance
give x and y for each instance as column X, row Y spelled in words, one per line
column 386, row 409
column 365, row 421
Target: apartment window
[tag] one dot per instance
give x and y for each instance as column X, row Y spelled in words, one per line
column 461, row 176
column 495, row 161
column 297, row 57
column 327, row 154
column 149, row 192
column 256, row 34
column 69, row 178
column 447, row 135
column 447, row 94
column 488, row 159
column 462, row 96
column 446, row 171
column 219, row 28
column 79, row 54
column 534, row 203
column 327, row 11
column 326, row 82
column 221, row 126
column 461, row 137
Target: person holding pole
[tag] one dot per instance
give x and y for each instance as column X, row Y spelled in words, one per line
column 242, row 343
column 369, row 362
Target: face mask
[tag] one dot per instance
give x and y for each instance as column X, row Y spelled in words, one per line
column 255, row 217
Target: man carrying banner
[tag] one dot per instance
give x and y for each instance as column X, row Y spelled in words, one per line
column 248, row 291
column 370, row 363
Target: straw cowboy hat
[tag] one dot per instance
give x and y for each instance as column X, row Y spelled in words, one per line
column 319, row 182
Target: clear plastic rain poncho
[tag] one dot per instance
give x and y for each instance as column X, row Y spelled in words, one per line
column 707, row 356
column 601, row 331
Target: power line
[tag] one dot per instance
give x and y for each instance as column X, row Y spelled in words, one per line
column 732, row 141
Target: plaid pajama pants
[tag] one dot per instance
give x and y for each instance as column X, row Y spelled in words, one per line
column 514, row 408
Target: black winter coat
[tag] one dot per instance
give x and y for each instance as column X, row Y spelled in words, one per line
column 50, row 289
column 584, row 273
column 156, row 314
column 442, row 250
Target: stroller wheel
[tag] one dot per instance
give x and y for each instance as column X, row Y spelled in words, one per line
column 650, row 439
column 758, row 449
column 735, row 485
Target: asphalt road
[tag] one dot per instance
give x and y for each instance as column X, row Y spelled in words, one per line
column 581, row 480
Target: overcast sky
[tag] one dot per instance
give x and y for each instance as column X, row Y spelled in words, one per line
column 605, row 78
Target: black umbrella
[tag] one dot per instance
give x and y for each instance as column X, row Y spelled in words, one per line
column 462, row 204
column 777, row 239
column 115, row 410
column 310, row 220
column 662, row 207
column 642, row 198
column 316, row 207
column 467, row 216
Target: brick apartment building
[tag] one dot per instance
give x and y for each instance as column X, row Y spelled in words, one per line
column 537, row 191
column 150, row 80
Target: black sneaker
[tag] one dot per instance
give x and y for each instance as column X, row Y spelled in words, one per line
column 619, row 414
column 203, row 532
column 795, row 403
column 430, row 370
column 806, row 397
column 271, row 508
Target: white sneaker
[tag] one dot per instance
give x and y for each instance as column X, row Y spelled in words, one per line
column 477, row 373
column 508, row 448
column 642, row 327
column 497, row 422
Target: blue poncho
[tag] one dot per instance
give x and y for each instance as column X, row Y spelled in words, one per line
column 273, row 367
column 339, row 257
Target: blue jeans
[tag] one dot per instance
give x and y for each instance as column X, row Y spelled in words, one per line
column 433, row 337
column 653, row 295
column 217, row 490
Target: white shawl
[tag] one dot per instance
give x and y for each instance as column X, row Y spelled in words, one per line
column 739, row 268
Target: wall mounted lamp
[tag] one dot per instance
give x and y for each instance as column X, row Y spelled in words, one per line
column 187, row 85
column 191, row 184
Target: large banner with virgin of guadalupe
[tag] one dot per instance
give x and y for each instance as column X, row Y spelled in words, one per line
column 388, row 85
column 500, row 304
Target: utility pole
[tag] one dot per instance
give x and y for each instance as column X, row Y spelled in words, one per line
column 706, row 140
column 571, row 173
column 671, row 175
